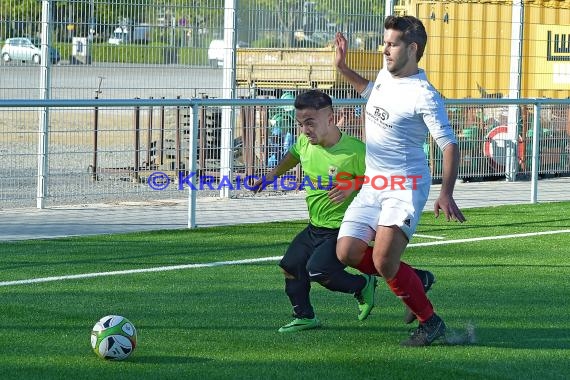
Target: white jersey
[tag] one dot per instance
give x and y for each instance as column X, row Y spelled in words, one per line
column 399, row 113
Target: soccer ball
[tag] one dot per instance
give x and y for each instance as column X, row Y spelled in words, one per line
column 113, row 337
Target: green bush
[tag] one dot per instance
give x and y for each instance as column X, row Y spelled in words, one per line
column 155, row 53
column 64, row 50
column 267, row 42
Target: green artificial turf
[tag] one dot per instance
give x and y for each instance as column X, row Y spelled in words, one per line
column 221, row 321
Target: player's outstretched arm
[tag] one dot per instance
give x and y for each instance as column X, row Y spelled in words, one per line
column 288, row 162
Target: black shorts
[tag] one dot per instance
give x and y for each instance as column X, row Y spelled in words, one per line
column 313, row 250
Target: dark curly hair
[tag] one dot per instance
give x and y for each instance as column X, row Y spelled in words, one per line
column 412, row 31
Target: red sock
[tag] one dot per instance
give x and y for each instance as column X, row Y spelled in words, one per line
column 407, row 286
column 366, row 266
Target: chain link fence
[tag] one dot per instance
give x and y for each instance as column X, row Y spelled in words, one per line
column 163, row 52
column 141, row 150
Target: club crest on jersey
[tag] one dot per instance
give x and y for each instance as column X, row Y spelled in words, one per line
column 381, row 114
column 333, row 170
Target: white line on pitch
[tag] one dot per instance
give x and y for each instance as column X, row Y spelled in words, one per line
column 429, row 236
column 251, row 261
column 142, row 270
column 458, row 241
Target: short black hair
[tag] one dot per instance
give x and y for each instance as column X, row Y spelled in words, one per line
column 412, row 29
column 315, row 99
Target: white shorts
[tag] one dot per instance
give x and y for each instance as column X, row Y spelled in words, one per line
column 372, row 208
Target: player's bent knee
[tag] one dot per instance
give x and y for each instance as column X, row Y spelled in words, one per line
column 287, row 274
column 349, row 254
column 290, row 264
column 342, row 249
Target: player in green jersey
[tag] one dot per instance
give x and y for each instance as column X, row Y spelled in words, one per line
column 323, row 152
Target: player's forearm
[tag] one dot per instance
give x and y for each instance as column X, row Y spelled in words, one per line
column 450, row 166
column 287, row 163
column 356, row 81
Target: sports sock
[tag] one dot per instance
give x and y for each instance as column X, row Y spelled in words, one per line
column 407, row 286
column 366, row 266
column 298, row 293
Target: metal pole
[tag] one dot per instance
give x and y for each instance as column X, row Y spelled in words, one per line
column 177, row 144
column 388, row 8
column 137, row 142
column 229, row 90
column 202, row 135
column 91, row 20
column 149, row 137
column 45, row 93
column 95, row 141
column 517, row 23
column 91, row 32
column 535, row 154
column 95, row 132
column 161, row 139
column 192, row 157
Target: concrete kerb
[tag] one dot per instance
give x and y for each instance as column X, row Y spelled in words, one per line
column 94, row 219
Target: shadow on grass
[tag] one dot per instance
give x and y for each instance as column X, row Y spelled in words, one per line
column 168, row 359
column 519, row 338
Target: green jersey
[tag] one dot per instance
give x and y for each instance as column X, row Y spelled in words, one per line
column 321, row 166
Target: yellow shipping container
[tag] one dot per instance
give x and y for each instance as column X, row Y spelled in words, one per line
column 469, row 46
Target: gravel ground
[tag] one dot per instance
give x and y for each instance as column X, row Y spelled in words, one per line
column 71, row 156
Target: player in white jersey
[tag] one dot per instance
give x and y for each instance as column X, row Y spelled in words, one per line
column 402, row 108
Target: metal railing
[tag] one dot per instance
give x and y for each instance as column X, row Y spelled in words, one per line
column 249, row 145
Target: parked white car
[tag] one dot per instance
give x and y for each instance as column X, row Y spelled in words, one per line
column 22, row 49
column 120, row 36
column 216, row 52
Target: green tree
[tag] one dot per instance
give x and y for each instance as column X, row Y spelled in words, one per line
column 292, row 15
column 364, row 15
column 20, row 18
column 287, row 13
column 364, row 18
column 20, row 10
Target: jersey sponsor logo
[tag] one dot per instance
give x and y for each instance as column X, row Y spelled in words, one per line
column 381, row 114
